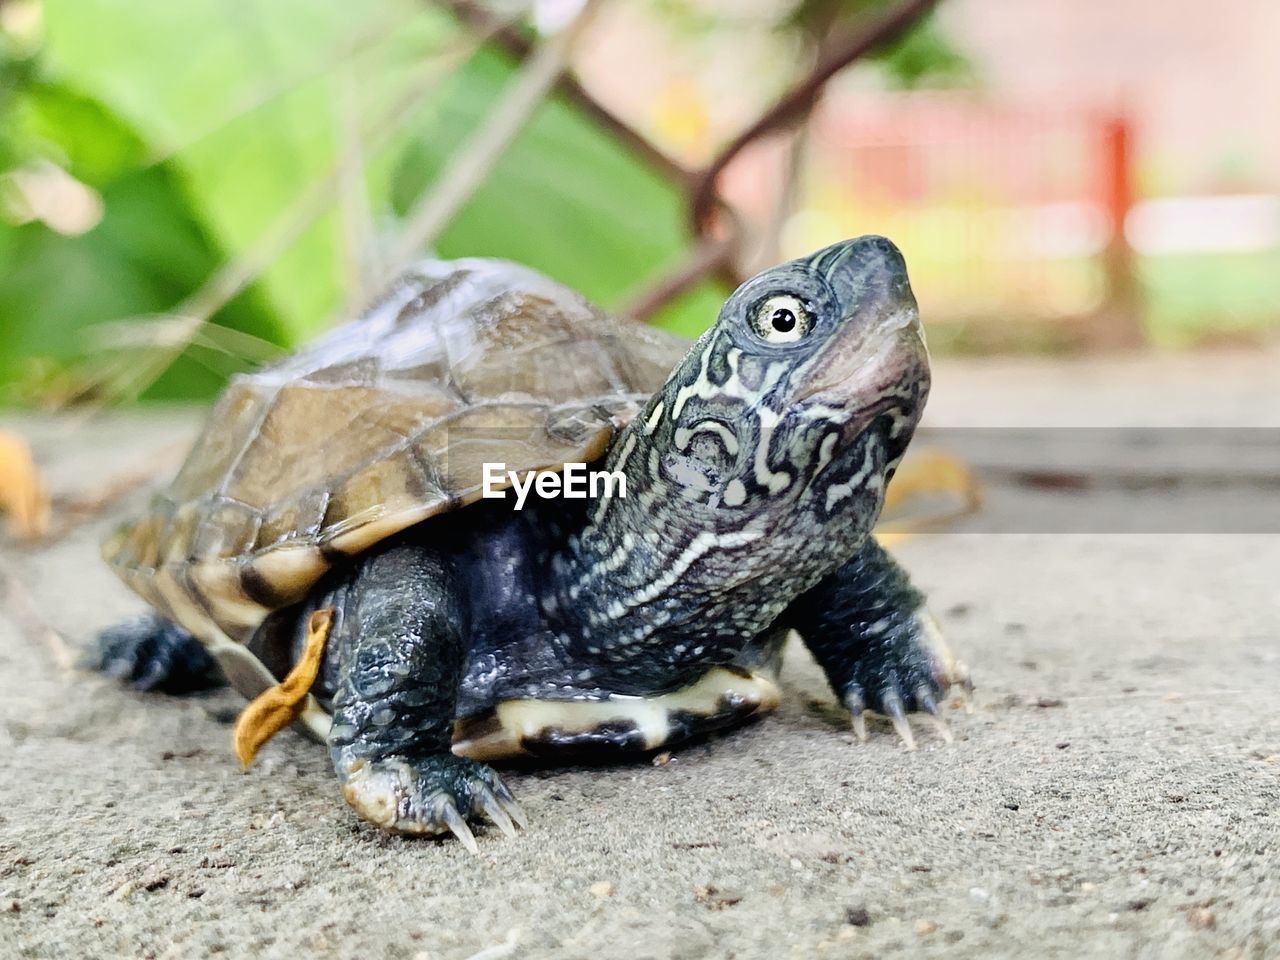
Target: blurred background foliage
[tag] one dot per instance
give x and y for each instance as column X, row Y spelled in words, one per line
column 188, row 189
column 154, row 156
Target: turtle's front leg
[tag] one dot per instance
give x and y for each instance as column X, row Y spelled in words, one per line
column 868, row 628
column 400, row 647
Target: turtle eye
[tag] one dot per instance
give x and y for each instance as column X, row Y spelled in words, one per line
column 781, row 319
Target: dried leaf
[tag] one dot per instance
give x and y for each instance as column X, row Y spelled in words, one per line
column 22, row 492
column 277, row 707
column 928, row 472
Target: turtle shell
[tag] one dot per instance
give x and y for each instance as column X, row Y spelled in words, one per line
column 377, row 426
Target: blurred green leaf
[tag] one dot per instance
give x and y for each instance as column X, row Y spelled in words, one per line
column 91, row 144
column 244, row 98
column 147, row 253
column 925, row 55
column 206, row 126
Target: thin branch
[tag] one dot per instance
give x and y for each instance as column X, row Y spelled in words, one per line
column 544, row 70
column 769, row 250
column 713, row 255
column 568, row 86
column 799, row 100
column 353, row 192
column 468, row 166
column 709, row 257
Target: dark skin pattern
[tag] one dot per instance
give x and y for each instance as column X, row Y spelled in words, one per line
column 762, row 490
column 862, row 624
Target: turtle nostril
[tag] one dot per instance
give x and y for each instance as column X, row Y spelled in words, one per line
column 864, row 264
column 891, row 260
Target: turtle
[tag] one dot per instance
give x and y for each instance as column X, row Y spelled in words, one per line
column 368, row 505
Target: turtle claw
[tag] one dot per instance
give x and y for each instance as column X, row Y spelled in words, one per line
column 857, row 705
column 509, row 805
column 493, row 810
column 432, row 796
column 458, row 826
column 912, row 671
column 930, row 706
column 962, row 681
column 943, row 729
column 891, row 703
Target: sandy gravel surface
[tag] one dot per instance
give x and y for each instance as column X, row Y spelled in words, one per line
column 1114, row 792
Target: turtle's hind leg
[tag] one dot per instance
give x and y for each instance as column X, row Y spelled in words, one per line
column 154, row 654
column 399, row 644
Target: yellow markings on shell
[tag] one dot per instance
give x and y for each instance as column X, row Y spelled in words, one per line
column 218, row 581
column 291, row 568
column 244, row 671
column 520, row 720
column 375, row 525
column 181, row 606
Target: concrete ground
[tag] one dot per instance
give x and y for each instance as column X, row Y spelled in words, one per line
column 1113, row 793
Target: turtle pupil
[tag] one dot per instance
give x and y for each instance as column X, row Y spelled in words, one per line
column 783, row 320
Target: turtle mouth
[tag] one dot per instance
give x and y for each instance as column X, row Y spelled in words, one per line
column 887, row 366
column 893, row 419
column 883, row 422
column 879, row 388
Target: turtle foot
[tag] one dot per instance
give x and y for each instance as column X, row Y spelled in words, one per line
column 431, row 796
column 913, row 672
column 150, row 653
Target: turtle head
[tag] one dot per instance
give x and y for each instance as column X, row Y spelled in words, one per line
column 805, row 392
column 760, row 466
